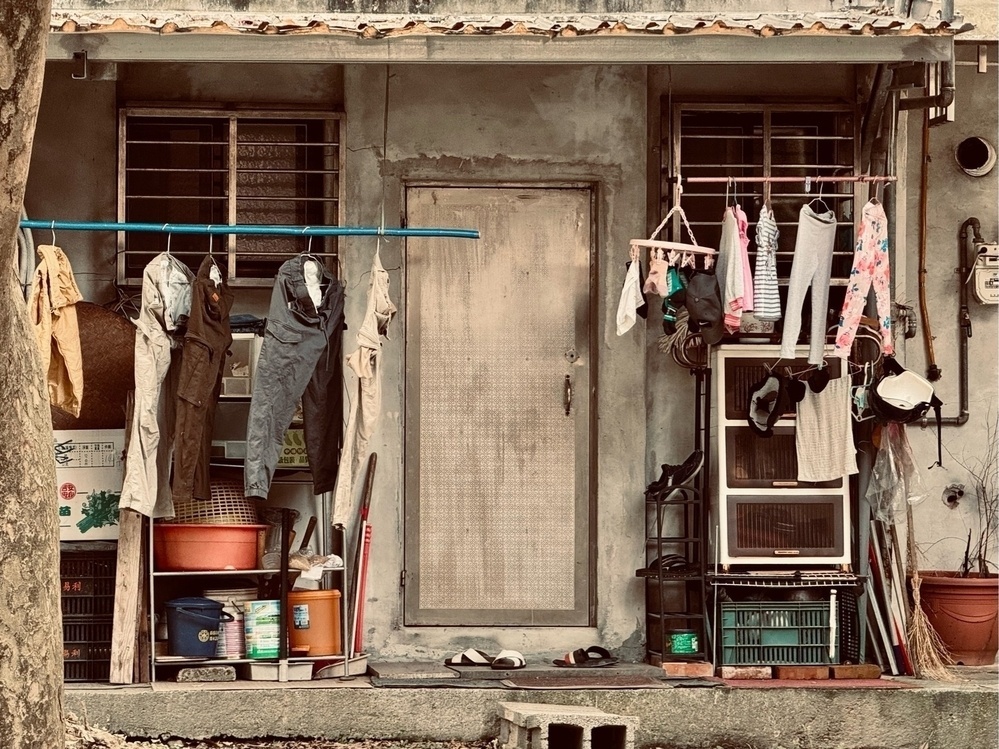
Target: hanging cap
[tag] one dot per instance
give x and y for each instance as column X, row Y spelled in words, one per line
column 766, row 403
column 704, row 308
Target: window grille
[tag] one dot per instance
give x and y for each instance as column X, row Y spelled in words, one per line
column 201, row 166
column 765, row 140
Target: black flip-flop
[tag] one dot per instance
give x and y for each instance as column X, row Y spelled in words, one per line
column 591, row 657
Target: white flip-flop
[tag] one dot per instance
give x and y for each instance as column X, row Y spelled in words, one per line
column 508, row 660
column 470, row 657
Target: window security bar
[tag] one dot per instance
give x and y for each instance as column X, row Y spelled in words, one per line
column 260, row 229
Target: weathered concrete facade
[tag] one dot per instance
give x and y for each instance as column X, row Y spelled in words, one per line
column 523, row 125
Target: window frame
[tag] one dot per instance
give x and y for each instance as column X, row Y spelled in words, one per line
column 333, row 137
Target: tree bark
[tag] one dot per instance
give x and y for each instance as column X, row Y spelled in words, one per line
column 30, row 616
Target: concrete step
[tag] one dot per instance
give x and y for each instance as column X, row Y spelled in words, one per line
column 529, row 725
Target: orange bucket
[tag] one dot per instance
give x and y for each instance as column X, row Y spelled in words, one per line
column 314, row 621
column 194, row 547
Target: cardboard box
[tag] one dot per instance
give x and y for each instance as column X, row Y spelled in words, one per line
column 89, row 475
column 293, row 453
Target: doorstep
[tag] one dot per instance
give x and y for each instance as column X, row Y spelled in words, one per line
column 946, row 715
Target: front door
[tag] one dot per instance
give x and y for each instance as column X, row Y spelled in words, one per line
column 498, row 408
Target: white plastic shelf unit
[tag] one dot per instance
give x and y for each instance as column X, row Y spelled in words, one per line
column 766, row 516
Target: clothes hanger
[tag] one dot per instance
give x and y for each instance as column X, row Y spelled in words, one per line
column 215, row 272
column 52, row 229
column 818, row 199
column 169, row 235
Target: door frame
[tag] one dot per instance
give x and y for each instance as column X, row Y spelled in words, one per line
column 409, row 578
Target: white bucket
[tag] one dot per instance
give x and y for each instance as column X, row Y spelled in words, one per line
column 231, row 638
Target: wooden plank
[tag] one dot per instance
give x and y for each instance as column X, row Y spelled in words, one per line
column 142, row 46
column 126, row 599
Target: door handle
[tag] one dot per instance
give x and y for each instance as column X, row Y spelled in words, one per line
column 568, row 395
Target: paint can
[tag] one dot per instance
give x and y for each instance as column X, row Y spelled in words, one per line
column 683, row 641
column 262, row 628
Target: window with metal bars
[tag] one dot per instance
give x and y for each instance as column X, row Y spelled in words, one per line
column 203, row 166
column 743, row 141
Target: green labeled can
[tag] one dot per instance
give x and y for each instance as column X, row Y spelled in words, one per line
column 262, row 628
column 683, row 642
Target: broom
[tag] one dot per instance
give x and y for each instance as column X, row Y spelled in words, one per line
column 929, row 654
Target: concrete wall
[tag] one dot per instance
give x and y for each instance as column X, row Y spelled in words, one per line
column 953, row 197
column 521, row 125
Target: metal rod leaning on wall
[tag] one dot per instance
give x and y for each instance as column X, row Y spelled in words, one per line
column 268, row 229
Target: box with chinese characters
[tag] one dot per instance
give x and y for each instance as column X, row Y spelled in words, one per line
column 89, row 473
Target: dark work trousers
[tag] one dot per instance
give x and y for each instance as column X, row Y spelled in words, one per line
column 300, row 358
column 206, row 344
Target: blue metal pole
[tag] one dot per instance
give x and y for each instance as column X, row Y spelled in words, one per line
column 308, row 231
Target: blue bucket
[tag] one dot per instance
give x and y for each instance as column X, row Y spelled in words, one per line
column 193, row 626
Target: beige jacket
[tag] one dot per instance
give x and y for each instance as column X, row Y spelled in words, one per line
column 52, row 310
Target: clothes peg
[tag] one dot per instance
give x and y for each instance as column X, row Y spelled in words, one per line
column 808, row 184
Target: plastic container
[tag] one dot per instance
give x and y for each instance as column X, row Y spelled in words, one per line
column 196, row 547
column 193, row 626
column 314, row 622
column 86, row 649
column 231, row 639
column 262, row 628
column 87, row 580
column 762, row 633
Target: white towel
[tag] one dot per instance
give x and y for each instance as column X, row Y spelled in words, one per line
column 631, row 299
column 824, row 433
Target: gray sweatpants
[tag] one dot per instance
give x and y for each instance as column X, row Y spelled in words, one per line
column 812, row 264
column 300, row 358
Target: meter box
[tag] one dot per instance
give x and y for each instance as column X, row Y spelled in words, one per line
column 985, row 275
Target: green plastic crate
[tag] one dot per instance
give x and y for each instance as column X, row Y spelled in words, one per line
column 777, row 633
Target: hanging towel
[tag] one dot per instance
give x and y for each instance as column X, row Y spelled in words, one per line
column 631, row 296
column 766, row 293
column 52, row 312
column 365, row 408
column 730, row 270
column 824, row 434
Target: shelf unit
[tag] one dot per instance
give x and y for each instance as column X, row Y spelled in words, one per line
column 173, row 578
column 676, row 524
column 765, row 515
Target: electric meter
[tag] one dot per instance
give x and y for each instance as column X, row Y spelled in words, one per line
column 986, row 273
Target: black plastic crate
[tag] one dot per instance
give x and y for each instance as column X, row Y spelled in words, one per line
column 765, row 633
column 87, row 580
column 86, row 649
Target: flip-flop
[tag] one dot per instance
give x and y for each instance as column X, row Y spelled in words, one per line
column 592, row 657
column 508, row 660
column 470, row 657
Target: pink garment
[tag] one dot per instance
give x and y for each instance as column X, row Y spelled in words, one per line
column 729, row 272
column 747, row 272
column 870, row 267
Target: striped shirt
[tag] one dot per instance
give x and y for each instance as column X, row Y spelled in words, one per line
column 765, row 293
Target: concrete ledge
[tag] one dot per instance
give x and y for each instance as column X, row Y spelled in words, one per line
column 944, row 716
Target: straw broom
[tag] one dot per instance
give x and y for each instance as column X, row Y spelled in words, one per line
column 929, row 654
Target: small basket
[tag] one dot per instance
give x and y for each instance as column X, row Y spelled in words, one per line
column 228, row 506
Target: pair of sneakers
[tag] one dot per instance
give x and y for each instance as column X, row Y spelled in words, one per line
column 678, row 475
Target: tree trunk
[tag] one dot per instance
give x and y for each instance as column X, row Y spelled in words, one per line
column 30, row 617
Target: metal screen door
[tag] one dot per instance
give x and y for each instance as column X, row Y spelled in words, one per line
column 497, row 408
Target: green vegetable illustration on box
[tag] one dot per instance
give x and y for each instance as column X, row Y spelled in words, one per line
column 100, row 509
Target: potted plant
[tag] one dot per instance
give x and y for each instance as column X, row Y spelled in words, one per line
column 963, row 606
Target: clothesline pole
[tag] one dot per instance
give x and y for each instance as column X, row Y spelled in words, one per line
column 260, row 229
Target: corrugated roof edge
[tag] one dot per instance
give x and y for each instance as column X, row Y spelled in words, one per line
column 371, row 26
